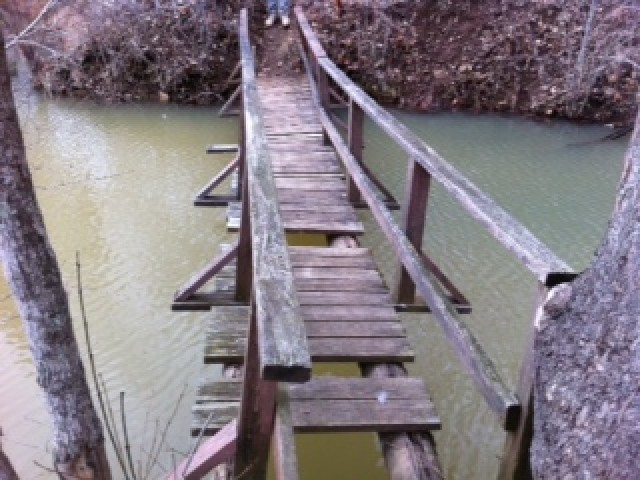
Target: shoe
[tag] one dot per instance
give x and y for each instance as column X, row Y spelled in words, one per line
column 271, row 19
column 285, row 21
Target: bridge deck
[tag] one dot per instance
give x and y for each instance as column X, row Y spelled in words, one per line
column 347, row 309
column 309, row 179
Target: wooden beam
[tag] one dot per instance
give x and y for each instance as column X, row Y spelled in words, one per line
column 355, row 139
column 206, row 274
column 215, row 451
column 284, row 351
column 222, row 148
column 219, row 178
column 224, row 111
column 415, row 209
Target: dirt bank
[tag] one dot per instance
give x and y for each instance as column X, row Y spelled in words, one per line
column 490, row 55
column 546, row 59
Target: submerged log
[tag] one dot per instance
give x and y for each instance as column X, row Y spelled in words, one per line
column 408, row 456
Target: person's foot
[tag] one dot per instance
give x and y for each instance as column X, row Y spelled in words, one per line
column 271, row 19
column 285, row 21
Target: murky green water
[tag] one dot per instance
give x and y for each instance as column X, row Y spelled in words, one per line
column 116, row 184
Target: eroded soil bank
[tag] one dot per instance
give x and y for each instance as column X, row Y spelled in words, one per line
column 577, row 59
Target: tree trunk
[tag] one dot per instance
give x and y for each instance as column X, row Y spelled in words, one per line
column 32, row 271
column 587, row 353
column 6, row 469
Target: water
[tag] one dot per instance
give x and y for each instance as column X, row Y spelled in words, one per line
column 116, row 185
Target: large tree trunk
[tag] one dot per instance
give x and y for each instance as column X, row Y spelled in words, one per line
column 587, row 352
column 32, row 270
column 6, row 469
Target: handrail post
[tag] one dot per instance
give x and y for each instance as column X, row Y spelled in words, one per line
column 414, row 216
column 257, row 413
column 244, row 268
column 244, row 271
column 356, row 146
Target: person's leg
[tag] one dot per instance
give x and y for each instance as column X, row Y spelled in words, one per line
column 283, row 11
column 272, row 11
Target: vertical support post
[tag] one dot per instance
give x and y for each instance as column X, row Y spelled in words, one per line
column 322, row 81
column 356, row 145
column 244, row 268
column 257, row 413
column 242, row 152
column 516, row 460
column 415, row 209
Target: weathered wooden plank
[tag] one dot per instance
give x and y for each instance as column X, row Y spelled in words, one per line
column 211, row 417
column 344, row 298
column 298, row 254
column 222, row 148
column 283, row 349
column 212, row 452
column 500, row 399
column 380, row 389
column 322, row 349
column 309, row 226
column 339, row 285
column 219, row 390
column 335, row 272
column 314, row 184
column 363, row 416
column 304, row 258
column 372, row 313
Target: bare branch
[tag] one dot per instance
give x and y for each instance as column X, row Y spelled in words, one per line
column 50, row 4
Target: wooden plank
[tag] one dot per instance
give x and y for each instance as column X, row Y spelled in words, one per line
column 220, row 390
column 212, row 452
column 211, row 417
column 339, row 285
column 478, row 365
column 283, row 349
column 379, row 389
column 363, row 416
column 298, row 254
column 374, row 313
column 335, row 272
column 222, row 148
column 344, row 298
column 323, row 349
column 310, row 260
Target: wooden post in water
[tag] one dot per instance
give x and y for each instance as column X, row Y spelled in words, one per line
column 516, row 463
column 415, row 209
column 356, row 146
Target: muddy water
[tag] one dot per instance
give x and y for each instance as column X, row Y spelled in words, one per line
column 116, row 185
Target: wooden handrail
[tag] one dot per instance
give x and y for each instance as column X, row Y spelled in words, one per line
column 514, row 236
column 498, row 396
column 283, row 347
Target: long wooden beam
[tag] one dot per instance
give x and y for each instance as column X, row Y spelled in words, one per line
column 283, row 347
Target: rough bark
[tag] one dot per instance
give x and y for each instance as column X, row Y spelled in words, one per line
column 587, row 352
column 6, row 469
column 32, row 271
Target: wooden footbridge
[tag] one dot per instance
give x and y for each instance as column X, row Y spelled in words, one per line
column 278, row 309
